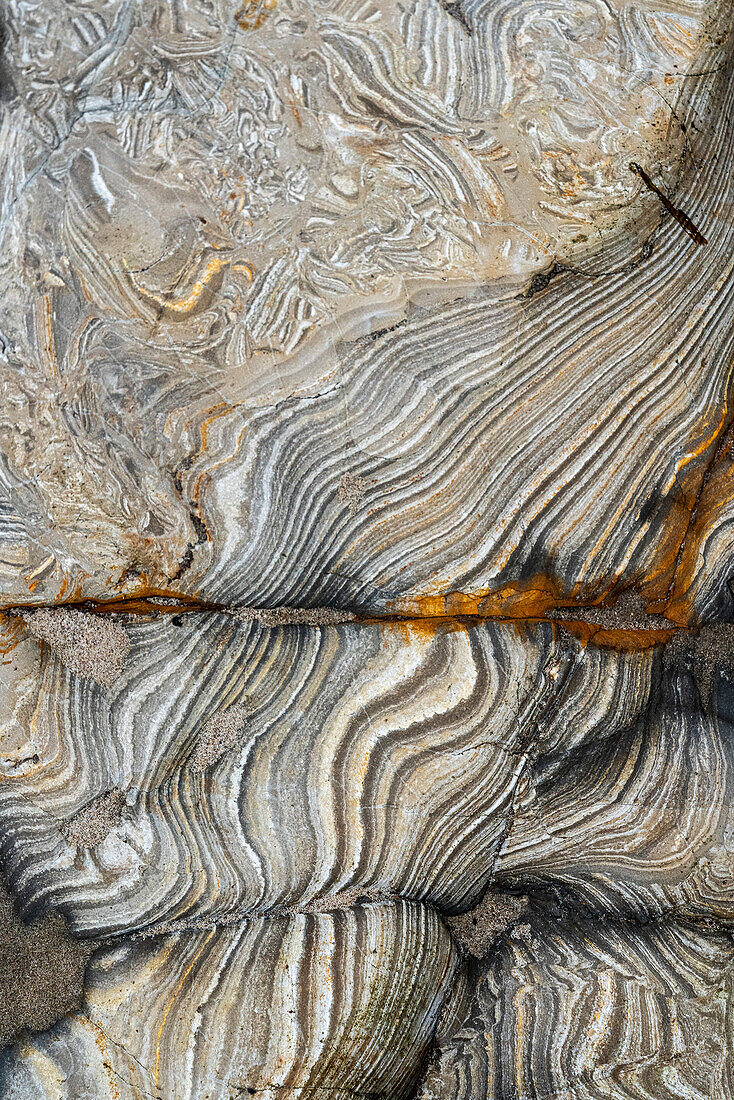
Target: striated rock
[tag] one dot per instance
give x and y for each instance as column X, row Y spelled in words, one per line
column 367, row 630
column 373, row 758
column 588, row 1008
column 639, row 823
column 330, row 1005
column 303, row 244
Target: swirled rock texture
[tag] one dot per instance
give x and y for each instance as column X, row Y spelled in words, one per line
column 393, row 753
column 584, row 1009
column 328, row 1005
column 366, row 518
column 252, row 254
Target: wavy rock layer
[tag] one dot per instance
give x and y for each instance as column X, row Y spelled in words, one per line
column 236, row 769
column 267, row 253
column 393, row 759
column 330, row 1006
column 588, row 1009
column 369, row 758
column 638, row 823
column 334, row 336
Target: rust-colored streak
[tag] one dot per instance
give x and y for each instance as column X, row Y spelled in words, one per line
column 715, row 498
column 101, row 1044
column 692, row 476
column 143, row 602
column 143, row 606
column 50, row 342
column 436, row 606
column 422, row 629
column 529, row 599
column 251, row 15
column 11, row 632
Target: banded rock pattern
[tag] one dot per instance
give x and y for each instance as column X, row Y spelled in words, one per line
column 640, row 823
column 592, row 1009
column 377, row 758
column 344, row 362
column 392, row 760
column 328, row 1005
column 250, row 258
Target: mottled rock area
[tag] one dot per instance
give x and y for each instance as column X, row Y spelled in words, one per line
column 41, row 971
column 359, row 306
column 88, row 644
column 366, row 512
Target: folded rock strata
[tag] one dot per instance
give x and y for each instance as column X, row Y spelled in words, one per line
column 328, row 1005
column 190, row 369
column 373, row 758
column 367, row 675
column 397, row 760
column 638, row 822
column 586, row 1009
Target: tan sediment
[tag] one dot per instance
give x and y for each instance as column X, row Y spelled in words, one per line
column 95, row 821
column 291, row 616
column 219, row 734
column 351, row 490
column 479, row 928
column 90, row 645
column 41, row 971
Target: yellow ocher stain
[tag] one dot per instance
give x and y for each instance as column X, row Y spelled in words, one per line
column 519, row 1002
column 185, row 305
column 181, row 305
column 175, row 994
column 99, row 1039
column 243, row 267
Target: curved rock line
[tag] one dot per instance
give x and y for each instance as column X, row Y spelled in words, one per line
column 432, row 392
column 367, row 655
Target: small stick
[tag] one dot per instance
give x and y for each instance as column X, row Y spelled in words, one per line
column 679, row 216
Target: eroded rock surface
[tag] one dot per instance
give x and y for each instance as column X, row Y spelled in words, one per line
column 367, row 655
column 583, row 1008
column 249, row 258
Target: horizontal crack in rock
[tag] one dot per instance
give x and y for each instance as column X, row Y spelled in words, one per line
column 627, row 613
column 625, row 624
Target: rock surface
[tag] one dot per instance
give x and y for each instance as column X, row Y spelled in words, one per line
column 366, row 512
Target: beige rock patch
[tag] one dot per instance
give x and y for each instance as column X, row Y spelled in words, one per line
column 291, row 616
column 90, row 645
column 220, row 734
